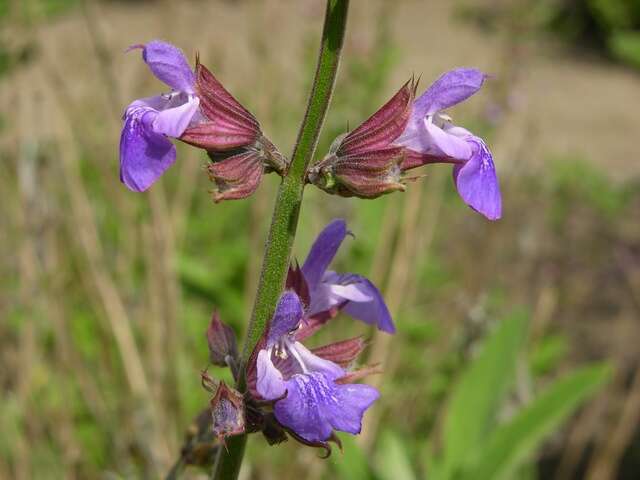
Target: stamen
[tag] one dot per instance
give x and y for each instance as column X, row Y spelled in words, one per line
column 169, row 96
column 281, row 351
column 296, row 355
column 440, row 119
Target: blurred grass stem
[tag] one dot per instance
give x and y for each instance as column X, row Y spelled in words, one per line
column 110, row 298
column 287, row 209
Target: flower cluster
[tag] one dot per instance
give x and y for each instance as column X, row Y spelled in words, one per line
column 198, row 111
column 306, row 393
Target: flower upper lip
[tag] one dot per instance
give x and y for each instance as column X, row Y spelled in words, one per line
column 350, row 292
column 168, row 64
column 145, row 150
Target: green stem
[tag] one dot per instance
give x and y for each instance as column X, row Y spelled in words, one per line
column 287, row 210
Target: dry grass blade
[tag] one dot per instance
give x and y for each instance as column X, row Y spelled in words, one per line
column 112, row 304
column 400, row 276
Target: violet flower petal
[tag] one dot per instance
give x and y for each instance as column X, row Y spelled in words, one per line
column 157, row 102
column 445, row 144
column 173, row 121
column 323, row 251
column 450, row 89
column 315, row 405
column 314, row 363
column 350, row 292
column 477, row 182
column 423, row 136
column 300, row 410
column 458, row 131
column 270, row 383
column 322, row 299
column 353, row 400
column 144, row 154
column 330, row 293
column 356, row 296
column 374, row 311
column 413, row 136
column 169, row 65
column 286, row 318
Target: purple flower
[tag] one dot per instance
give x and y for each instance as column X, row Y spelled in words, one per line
column 432, row 137
column 145, row 149
column 330, row 292
column 310, row 398
column 404, row 134
column 198, row 111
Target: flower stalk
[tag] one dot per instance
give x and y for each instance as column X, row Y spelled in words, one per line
column 287, row 210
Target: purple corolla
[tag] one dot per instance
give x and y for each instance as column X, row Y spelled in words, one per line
column 432, row 134
column 145, row 149
column 330, row 292
column 310, row 394
column 406, row 133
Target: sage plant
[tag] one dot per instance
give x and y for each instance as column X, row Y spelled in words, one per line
column 282, row 388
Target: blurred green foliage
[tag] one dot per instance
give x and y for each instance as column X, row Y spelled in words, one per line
column 36, row 10
column 610, row 24
column 476, row 443
column 625, row 45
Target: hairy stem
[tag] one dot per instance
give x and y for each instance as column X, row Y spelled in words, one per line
column 287, row 210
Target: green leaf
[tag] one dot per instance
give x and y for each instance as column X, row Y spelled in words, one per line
column 517, row 440
column 475, row 401
column 392, row 459
column 547, row 354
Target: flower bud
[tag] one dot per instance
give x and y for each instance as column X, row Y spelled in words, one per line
column 365, row 163
column 227, row 412
column 237, row 173
column 222, row 342
column 236, row 176
column 239, row 151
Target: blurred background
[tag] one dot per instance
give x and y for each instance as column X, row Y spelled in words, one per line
column 105, row 295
